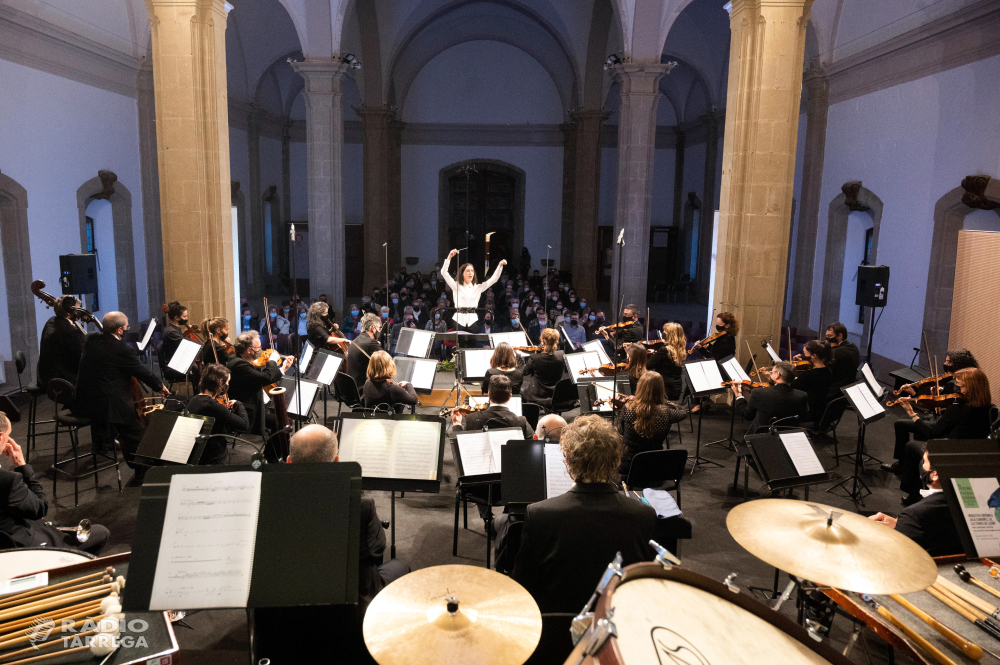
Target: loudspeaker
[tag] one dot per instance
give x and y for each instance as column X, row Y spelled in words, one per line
column 78, row 273
column 873, row 286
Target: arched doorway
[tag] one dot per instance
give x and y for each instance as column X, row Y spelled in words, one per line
column 23, row 329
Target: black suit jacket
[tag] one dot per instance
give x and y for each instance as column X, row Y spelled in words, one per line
column 492, row 417
column 372, row 547
column 103, row 391
column 59, row 351
column 777, row 401
column 673, row 375
column 929, row 523
column 546, row 369
column 246, row 384
column 22, row 503
column 568, row 542
column 357, row 361
column 844, row 367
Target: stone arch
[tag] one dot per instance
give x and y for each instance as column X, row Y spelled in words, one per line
column 949, row 216
column 106, row 186
column 17, row 276
column 854, row 198
column 481, row 165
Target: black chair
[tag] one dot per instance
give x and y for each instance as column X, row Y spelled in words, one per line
column 658, row 469
column 480, row 493
column 347, row 392
column 35, row 391
column 564, row 397
column 531, row 412
column 20, row 363
column 62, row 393
column 827, row 425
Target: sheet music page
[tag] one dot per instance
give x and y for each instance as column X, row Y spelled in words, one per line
column 206, row 550
column 477, row 361
column 595, row 346
column 605, row 390
column 302, row 398
column 557, row 480
column 873, row 383
column 420, row 343
column 369, row 443
column 185, row 354
column 415, row 446
column 733, row 369
column 864, row 401
column 423, row 374
column 774, row 356
column 148, row 335
column 307, row 354
column 497, row 439
column 704, row 375
column 328, row 372
column 182, row 438
column 801, row 451
column 517, row 338
column 579, row 361
column 477, row 456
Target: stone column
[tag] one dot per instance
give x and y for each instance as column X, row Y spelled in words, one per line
column 192, row 138
column 678, row 178
column 149, row 173
column 636, row 144
column 707, row 223
column 395, row 180
column 255, row 206
column 758, row 162
column 587, row 192
column 818, row 90
column 286, row 196
column 566, row 240
column 324, row 148
column 375, row 127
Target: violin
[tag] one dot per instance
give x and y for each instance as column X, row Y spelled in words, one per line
column 708, row 340
column 465, row 409
column 927, row 398
column 528, row 349
column 617, row 401
column 799, row 365
column 745, row 384
column 923, row 382
column 618, row 326
column 606, row 369
column 652, row 343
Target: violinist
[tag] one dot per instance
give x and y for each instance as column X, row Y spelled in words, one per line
column 774, row 402
column 317, row 330
column 626, row 334
column 173, row 333
column 637, row 356
column 964, row 418
column 61, row 344
column 503, row 362
column 382, row 387
column 217, row 348
column 723, row 346
column 544, row 370
column 247, row 380
column 815, row 381
column 845, row 360
column 955, row 359
column 646, row 419
column 230, row 416
column 496, row 415
column 668, row 359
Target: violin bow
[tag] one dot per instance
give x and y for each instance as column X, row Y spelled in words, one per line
column 753, row 359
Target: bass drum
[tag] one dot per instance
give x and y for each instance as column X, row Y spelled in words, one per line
column 26, row 560
column 677, row 617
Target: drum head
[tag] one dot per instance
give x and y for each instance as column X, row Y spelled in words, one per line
column 663, row 622
column 26, row 560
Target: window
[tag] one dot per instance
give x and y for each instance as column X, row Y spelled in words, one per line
column 90, row 235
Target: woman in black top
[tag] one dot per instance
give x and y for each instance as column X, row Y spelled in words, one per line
column 668, row 359
column 636, row 364
column 545, row 369
column 316, row 327
column 216, row 332
column 230, row 418
column 725, row 346
column 504, row 362
column 381, row 386
column 966, row 418
column 645, row 420
column 816, row 380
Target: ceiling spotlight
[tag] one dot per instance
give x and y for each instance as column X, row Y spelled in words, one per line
column 612, row 60
column 349, row 59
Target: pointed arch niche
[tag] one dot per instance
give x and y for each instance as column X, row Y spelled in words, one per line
column 17, row 276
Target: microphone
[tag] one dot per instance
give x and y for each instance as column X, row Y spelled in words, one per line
column 292, row 233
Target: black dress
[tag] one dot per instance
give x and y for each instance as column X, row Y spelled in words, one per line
column 722, row 348
column 515, row 375
column 673, row 375
column 545, row 370
column 226, row 422
column 317, row 335
column 635, row 443
column 815, row 383
column 387, row 392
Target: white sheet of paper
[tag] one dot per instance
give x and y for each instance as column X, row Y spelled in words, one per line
column 595, row 346
column 477, row 361
column 774, row 356
column 497, row 440
column 148, row 335
column 557, row 480
column 477, row 455
column 307, row 354
column 515, row 339
column 423, row 375
column 267, row 398
column 302, row 399
column 328, row 372
column 974, row 495
column 514, row 404
column 206, row 550
column 865, row 402
column 704, row 375
column 182, row 438
column 420, row 343
column 580, row 361
column 873, row 383
column 392, row 448
column 734, row 371
column 801, row 451
column 185, row 354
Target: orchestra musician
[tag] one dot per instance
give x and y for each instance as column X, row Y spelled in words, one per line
column 627, row 334
column 61, row 344
column 637, row 357
column 567, row 541
column 103, row 390
column 775, row 402
column 247, row 381
column 318, row 326
column 815, row 381
column 216, row 349
column 668, row 359
column 362, row 347
column 845, row 361
column 645, row 420
column 382, row 387
column 230, row 416
column 503, row 362
column 173, row 333
column 965, row 418
column 468, row 291
column 725, row 346
column 543, row 370
column 496, row 415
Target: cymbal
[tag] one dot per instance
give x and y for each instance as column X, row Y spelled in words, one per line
column 854, row 553
column 491, row 620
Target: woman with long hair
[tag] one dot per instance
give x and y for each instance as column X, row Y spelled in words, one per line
column 216, row 333
column 636, row 367
column 317, row 331
column 503, row 362
column 467, row 291
column 646, row 419
column 668, row 359
column 382, row 387
column 724, row 346
column 545, row 369
column 815, row 381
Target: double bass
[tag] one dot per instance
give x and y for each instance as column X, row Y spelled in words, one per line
column 51, row 302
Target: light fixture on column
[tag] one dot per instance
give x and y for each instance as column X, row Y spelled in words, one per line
column 349, row 59
column 612, row 60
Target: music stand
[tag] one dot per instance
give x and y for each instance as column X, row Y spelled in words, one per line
column 703, row 379
column 968, row 470
column 731, row 366
column 575, row 362
column 783, row 460
column 299, row 404
column 172, row 438
column 514, row 404
column 418, row 371
column 415, row 342
column 597, row 347
column 184, row 356
column 593, row 391
column 321, row 367
column 515, row 339
column 868, row 410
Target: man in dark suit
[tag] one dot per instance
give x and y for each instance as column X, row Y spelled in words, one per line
column 315, row 444
column 247, row 381
column 774, row 402
column 567, row 542
column 23, row 505
column 362, row 347
column 497, row 414
column 846, row 358
column 629, row 334
column 927, row 522
column 103, row 389
column 61, row 345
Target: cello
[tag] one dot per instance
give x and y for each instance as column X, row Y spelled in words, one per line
column 51, row 302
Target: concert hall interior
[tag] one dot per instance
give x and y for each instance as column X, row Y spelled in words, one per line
column 336, row 258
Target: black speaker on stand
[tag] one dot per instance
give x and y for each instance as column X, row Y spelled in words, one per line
column 873, row 291
column 78, row 275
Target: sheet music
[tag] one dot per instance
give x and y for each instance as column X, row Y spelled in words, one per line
column 476, row 362
column 183, row 436
column 514, row 404
column 419, row 342
column 148, row 335
column 734, row 371
column 605, row 390
column 704, row 375
column 803, row 456
column 307, row 354
column 864, row 401
column 185, row 354
column 327, row 373
column 873, row 383
column 557, row 480
column 418, row 371
column 301, row 399
column 515, row 339
column 582, row 360
column 477, row 455
column 595, row 346
column 392, row 448
column 206, row 550
column 774, row 356
column 498, row 438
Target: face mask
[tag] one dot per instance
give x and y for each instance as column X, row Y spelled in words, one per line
column 573, row 322
column 184, row 322
column 583, row 303
column 489, row 321
column 514, row 321
column 536, row 301
column 925, row 476
column 572, row 299
column 395, row 301
column 385, row 315
column 302, row 316
column 948, row 368
column 409, row 321
column 437, row 316
column 354, row 312
column 720, row 328
column 246, row 317
column 831, row 340
column 274, row 315
column 541, row 321
column 593, row 318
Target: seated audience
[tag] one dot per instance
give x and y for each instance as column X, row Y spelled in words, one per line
column 230, row 417
column 777, row 402
column 503, row 362
column 382, row 387
column 543, row 370
column 645, row 420
column 496, row 415
column 815, row 381
column 668, row 359
column 278, row 324
column 575, row 333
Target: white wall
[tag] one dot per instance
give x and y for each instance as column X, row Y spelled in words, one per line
column 909, row 144
column 56, row 135
column 421, row 166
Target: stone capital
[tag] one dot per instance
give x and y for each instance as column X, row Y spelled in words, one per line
column 220, row 7
column 321, row 76
column 641, row 78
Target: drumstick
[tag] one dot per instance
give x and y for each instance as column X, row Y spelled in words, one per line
column 966, row 610
column 24, row 594
column 35, row 648
column 55, row 654
column 970, row 649
column 45, row 592
column 921, row 642
column 63, row 627
column 969, row 598
column 967, row 577
column 73, row 613
column 58, row 601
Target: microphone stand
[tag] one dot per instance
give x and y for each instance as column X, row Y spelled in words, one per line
column 617, row 345
column 298, row 373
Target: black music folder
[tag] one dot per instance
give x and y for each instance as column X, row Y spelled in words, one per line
column 174, row 438
column 785, row 460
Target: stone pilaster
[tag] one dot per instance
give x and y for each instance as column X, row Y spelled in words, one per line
column 324, row 151
column 566, row 239
column 818, row 103
column 707, row 225
column 146, row 104
column 395, row 194
column 286, row 193
column 255, row 204
column 375, row 123
column 758, row 162
column 587, row 190
column 679, row 143
column 636, row 144
column 192, row 138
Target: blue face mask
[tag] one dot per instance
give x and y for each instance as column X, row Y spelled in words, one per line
column 514, row 321
column 274, row 315
column 246, row 317
column 354, row 312
column 395, row 301
column 593, row 318
column 302, row 316
column 385, row 315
